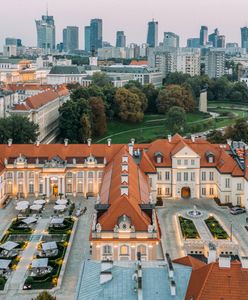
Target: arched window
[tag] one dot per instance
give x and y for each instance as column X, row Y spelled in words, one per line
column 9, row 175
column 142, row 250
column 69, row 175
column 20, row 175
column 107, row 250
column 31, row 174
column 80, row 174
column 124, row 250
column 90, row 175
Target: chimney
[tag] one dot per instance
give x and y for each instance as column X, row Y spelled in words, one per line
column 244, row 262
column 229, row 142
column 212, row 253
column 89, row 142
column 132, row 141
column 130, row 149
column 66, row 142
column 37, row 143
column 224, row 261
column 105, row 276
column 193, row 138
column 10, row 142
column 173, row 288
column 109, row 142
column 169, row 138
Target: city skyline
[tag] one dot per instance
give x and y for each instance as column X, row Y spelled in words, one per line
column 136, row 27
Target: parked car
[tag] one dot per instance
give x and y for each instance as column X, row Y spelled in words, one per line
column 237, row 210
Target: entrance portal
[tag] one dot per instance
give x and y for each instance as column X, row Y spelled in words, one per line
column 55, row 190
column 185, row 193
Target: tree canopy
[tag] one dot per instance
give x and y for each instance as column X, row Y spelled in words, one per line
column 176, row 119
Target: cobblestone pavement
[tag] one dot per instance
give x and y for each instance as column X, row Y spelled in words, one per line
column 167, row 219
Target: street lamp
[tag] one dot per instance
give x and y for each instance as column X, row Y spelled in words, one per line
column 231, row 232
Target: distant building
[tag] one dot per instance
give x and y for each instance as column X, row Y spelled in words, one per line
column 221, row 41
column 215, row 63
column 120, row 39
column 203, row 35
column 217, row 40
column 46, row 34
column 70, row 38
column 171, row 40
column 244, row 37
column 96, row 34
column 13, row 41
column 7, row 99
column 189, row 61
column 193, row 43
column 152, row 34
column 165, row 61
column 87, row 38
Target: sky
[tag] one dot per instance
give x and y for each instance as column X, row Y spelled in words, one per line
column 184, row 17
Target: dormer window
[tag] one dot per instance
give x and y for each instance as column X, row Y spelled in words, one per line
column 124, row 223
column 124, row 178
column 125, row 159
column 210, row 157
column 124, row 168
column 159, row 157
column 124, row 190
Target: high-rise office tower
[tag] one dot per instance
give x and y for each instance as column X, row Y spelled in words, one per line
column 244, row 37
column 46, row 33
column 96, row 33
column 203, row 36
column 221, row 43
column 152, row 35
column 70, row 38
column 120, row 39
column 13, row 42
column 213, row 37
column 87, row 38
column 171, row 40
column 193, row 43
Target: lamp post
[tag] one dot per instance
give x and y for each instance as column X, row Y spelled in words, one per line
column 231, row 232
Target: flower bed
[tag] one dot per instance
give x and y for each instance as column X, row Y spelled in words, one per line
column 188, row 228
column 216, row 229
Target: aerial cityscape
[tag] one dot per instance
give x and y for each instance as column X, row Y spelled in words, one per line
column 123, row 162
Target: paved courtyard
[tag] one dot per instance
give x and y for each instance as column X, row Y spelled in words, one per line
column 170, row 236
column 79, row 251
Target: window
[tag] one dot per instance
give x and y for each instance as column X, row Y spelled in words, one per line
column 80, row 174
column 167, row 175
column 124, row 250
column 69, row 175
column 227, row 199
column 211, row 191
column 159, row 159
column 210, row 159
column 192, row 162
column 239, row 200
column 69, row 188
column 41, row 188
column 20, row 175
column 159, row 175
column 185, row 162
column 80, row 187
column 227, row 182
column 142, row 250
column 203, row 191
column 90, row 175
column 20, row 188
column 179, row 162
column 192, row 176
column 167, row 191
column 107, row 250
column 239, row 186
column 179, row 176
column 185, row 176
column 31, row 188
column 9, row 175
column 203, row 176
column 31, row 174
column 211, row 176
column 159, row 190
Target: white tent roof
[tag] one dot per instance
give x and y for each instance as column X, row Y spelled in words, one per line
column 59, row 207
column 22, row 202
column 21, row 206
column 40, row 263
column 29, row 220
column 49, row 246
column 36, row 207
column 61, row 202
column 39, row 201
column 57, row 221
column 4, row 264
column 9, row 245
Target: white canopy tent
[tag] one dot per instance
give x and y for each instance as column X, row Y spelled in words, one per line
column 57, row 221
column 40, row 202
column 29, row 220
column 49, row 246
column 36, row 207
column 22, row 202
column 21, row 206
column 4, row 264
column 9, row 245
column 61, row 202
column 59, row 207
column 40, row 263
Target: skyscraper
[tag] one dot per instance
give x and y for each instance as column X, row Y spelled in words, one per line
column 213, row 38
column 203, row 35
column 96, row 33
column 120, row 39
column 87, row 38
column 244, row 37
column 46, row 33
column 152, row 35
column 13, row 41
column 221, row 43
column 193, row 43
column 70, row 38
column 171, row 40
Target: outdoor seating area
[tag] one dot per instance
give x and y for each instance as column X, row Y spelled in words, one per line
column 60, row 225
column 8, row 249
column 49, row 249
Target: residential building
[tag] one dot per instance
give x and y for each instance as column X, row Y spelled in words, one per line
column 244, row 37
column 96, row 40
column 7, row 99
column 120, row 39
column 203, row 35
column 193, row 43
column 66, row 74
column 43, row 109
column 87, row 38
column 189, row 61
column 171, row 40
column 152, row 34
column 70, row 39
column 215, row 63
column 46, row 34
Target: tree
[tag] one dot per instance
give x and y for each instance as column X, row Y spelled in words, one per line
column 216, row 137
column 129, row 105
column 151, row 94
column 239, row 131
column 45, row 296
column 85, row 128
column 98, row 116
column 100, row 79
column 176, row 119
column 19, row 129
column 142, row 97
column 175, row 95
column 176, row 78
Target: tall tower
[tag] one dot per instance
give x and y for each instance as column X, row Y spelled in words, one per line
column 70, row 38
column 203, row 35
column 152, row 34
column 120, row 39
column 87, row 38
column 46, row 33
column 244, row 37
column 96, row 33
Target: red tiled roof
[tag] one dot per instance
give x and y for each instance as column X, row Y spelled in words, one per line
column 28, row 86
column 138, row 62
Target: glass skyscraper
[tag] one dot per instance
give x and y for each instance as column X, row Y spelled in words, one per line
column 46, row 33
column 120, row 39
column 152, row 35
column 87, row 38
column 95, row 34
column 244, row 37
column 70, row 38
column 203, row 36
